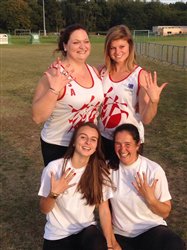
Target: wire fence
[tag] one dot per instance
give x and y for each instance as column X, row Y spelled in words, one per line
column 171, row 54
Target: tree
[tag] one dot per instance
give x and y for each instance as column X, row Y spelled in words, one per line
column 15, row 14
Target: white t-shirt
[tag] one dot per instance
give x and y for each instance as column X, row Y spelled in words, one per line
column 70, row 214
column 120, row 104
column 131, row 215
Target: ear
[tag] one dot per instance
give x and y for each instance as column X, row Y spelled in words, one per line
column 138, row 145
column 64, row 47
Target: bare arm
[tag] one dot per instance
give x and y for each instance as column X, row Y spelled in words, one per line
column 50, row 87
column 148, row 193
column 106, row 224
column 149, row 96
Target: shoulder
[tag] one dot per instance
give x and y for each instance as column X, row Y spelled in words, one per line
column 152, row 165
column 54, row 166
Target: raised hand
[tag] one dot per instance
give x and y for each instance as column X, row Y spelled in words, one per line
column 62, row 184
column 143, row 188
column 151, row 87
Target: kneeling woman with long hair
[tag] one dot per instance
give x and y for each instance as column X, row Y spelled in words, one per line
column 71, row 188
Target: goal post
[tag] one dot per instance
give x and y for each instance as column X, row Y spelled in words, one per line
column 22, row 32
column 145, row 33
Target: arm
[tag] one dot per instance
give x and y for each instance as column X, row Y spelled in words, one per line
column 50, row 87
column 148, row 193
column 57, row 188
column 106, row 224
column 149, row 96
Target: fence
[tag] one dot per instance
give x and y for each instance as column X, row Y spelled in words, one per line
column 165, row 53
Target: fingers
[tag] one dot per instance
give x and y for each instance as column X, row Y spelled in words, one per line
column 69, row 174
column 155, row 77
column 154, row 184
column 163, row 85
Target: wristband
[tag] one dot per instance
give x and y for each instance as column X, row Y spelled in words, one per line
column 53, row 195
column 54, row 91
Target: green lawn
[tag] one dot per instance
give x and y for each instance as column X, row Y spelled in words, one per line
column 21, row 164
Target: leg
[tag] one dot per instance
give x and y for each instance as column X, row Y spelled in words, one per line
column 160, row 237
column 65, row 243
column 91, row 238
column 51, row 152
column 125, row 242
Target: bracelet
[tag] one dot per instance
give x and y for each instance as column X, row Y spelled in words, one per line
column 53, row 195
column 54, row 91
column 110, row 248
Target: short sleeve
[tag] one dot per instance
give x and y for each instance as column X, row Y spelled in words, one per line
column 162, row 189
column 45, row 183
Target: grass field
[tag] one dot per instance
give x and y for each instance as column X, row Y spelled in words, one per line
column 169, row 40
column 22, row 224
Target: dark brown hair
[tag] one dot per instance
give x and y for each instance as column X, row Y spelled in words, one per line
column 96, row 173
column 133, row 131
column 65, row 35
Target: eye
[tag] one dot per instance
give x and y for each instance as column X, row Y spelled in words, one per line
column 87, row 41
column 94, row 139
column 75, row 43
column 83, row 137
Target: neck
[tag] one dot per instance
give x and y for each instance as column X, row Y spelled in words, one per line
column 79, row 161
column 75, row 64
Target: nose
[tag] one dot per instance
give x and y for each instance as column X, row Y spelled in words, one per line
column 82, row 45
column 88, row 140
column 117, row 50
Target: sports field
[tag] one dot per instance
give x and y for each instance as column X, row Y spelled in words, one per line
column 21, row 67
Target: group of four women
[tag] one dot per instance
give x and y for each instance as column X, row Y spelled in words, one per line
column 120, row 96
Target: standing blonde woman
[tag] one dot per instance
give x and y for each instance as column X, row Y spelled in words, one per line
column 131, row 95
column 69, row 93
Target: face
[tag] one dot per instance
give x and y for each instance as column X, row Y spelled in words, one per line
column 125, row 147
column 119, row 50
column 78, row 46
column 86, row 141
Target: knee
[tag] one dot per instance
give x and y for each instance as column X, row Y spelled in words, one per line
column 175, row 243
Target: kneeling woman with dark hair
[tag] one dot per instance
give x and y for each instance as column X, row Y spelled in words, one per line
column 71, row 188
column 142, row 200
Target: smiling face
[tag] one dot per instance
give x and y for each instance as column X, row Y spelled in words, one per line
column 86, row 141
column 119, row 50
column 126, row 147
column 78, row 46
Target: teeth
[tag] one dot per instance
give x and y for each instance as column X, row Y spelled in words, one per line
column 87, row 148
column 124, row 155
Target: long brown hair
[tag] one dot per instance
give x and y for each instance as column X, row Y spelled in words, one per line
column 96, row 173
column 116, row 33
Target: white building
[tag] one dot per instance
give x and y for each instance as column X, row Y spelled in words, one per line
column 169, row 30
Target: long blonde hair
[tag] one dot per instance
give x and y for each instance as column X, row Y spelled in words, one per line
column 116, row 33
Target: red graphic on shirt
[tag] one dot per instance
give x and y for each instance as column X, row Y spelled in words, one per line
column 86, row 113
column 112, row 112
column 72, row 92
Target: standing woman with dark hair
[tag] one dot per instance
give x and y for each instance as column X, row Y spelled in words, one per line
column 71, row 188
column 131, row 95
column 142, row 199
column 69, row 93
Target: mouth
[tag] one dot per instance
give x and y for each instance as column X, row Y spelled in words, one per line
column 86, row 148
column 124, row 155
column 82, row 52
